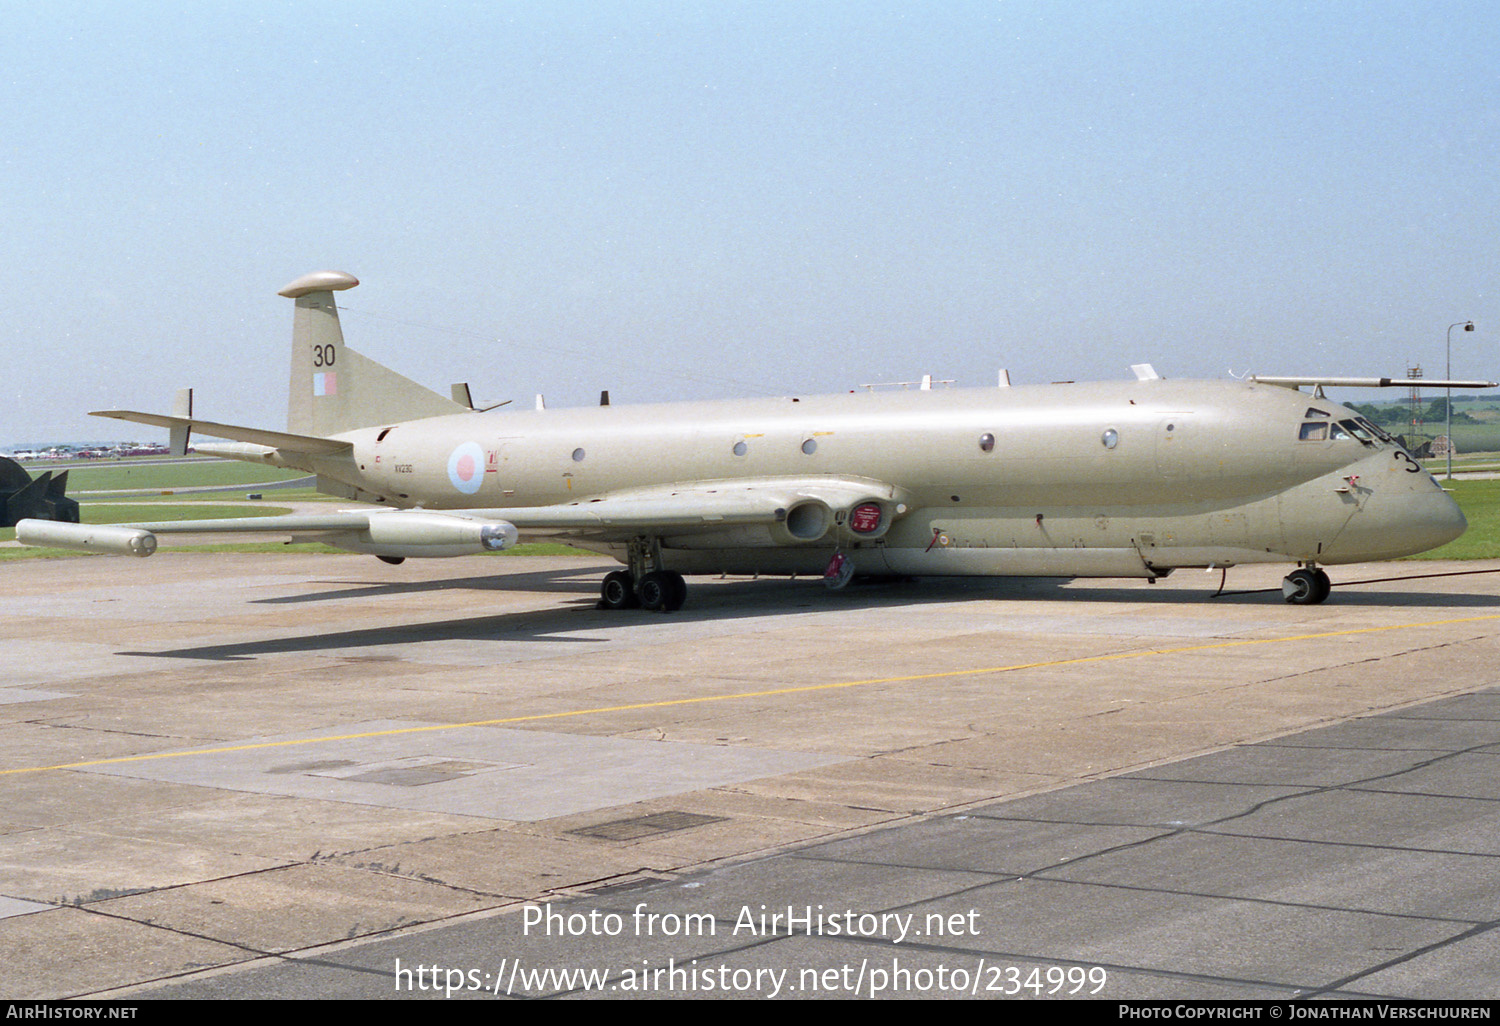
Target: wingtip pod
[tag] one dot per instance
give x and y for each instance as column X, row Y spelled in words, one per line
column 121, row 541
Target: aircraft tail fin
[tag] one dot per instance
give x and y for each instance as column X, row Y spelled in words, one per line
column 335, row 389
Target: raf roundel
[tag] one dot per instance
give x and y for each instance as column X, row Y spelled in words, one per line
column 466, row 467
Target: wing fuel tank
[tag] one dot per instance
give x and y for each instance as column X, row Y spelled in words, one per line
column 426, row 535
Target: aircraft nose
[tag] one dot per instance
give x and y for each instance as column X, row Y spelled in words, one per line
column 1402, row 522
column 1444, row 524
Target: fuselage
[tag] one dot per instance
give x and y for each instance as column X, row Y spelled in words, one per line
column 1100, row 479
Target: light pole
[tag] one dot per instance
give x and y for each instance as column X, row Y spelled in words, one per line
column 1448, row 412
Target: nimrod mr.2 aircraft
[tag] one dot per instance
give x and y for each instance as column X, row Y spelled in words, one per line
column 1128, row 479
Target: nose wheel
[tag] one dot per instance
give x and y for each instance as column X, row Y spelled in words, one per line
column 1306, row 587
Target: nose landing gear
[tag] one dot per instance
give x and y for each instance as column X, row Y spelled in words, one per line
column 1306, row 587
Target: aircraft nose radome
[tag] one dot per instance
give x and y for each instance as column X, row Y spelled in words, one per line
column 1442, row 522
column 1402, row 524
column 1453, row 523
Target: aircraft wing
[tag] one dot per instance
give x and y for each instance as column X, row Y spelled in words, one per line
column 388, row 532
column 797, row 510
column 806, row 508
column 258, row 436
column 312, row 523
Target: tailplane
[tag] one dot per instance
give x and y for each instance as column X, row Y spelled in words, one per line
column 335, row 389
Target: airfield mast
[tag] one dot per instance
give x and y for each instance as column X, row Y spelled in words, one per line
column 1415, row 398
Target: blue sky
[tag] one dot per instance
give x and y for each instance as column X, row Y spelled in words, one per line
column 682, row 200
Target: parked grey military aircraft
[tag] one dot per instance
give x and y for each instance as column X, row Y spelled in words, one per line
column 1125, row 479
column 22, row 497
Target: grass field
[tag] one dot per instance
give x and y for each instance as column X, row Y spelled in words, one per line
column 1480, row 501
column 169, row 497
column 1465, row 461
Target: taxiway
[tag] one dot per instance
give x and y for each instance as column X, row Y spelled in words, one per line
column 222, row 772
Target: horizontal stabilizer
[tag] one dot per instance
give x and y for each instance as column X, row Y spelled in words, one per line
column 258, row 436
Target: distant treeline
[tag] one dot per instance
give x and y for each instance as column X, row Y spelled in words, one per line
column 1400, row 413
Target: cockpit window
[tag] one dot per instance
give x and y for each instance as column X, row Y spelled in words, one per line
column 1376, row 430
column 1339, row 434
column 1313, row 433
column 1357, row 431
column 1313, row 411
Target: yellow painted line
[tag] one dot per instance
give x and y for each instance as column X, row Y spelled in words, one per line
column 798, row 690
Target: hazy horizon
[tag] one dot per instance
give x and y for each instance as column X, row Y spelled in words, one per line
column 672, row 201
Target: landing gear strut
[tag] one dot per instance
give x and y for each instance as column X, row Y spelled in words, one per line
column 645, row 585
column 1306, row 587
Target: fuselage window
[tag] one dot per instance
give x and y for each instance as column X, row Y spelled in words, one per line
column 740, row 448
column 1313, row 433
column 986, row 442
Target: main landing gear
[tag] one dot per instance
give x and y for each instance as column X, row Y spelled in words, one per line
column 1306, row 587
column 659, row 591
column 645, row 585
